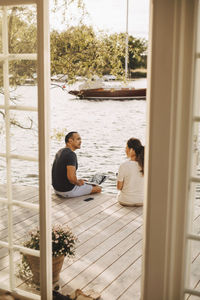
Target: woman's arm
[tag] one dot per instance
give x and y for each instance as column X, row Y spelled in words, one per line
column 120, row 185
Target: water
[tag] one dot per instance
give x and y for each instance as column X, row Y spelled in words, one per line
column 104, row 127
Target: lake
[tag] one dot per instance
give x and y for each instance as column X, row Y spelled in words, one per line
column 104, row 126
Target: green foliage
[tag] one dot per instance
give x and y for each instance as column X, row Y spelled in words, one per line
column 58, row 134
column 77, row 51
column 69, row 11
column 73, row 52
column 22, row 38
column 109, row 53
column 137, row 53
column 24, row 271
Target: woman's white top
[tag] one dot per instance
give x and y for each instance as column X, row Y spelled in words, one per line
column 133, row 187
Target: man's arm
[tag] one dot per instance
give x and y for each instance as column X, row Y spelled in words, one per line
column 71, row 175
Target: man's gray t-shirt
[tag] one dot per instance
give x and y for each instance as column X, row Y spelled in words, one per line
column 64, row 157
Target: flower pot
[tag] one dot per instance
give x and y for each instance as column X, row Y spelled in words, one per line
column 34, row 263
column 57, row 263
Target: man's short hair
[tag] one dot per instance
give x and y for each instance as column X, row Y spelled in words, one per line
column 69, row 135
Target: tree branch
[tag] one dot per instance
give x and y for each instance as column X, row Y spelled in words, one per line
column 16, row 123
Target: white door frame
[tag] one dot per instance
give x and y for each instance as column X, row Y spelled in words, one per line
column 170, row 87
column 170, row 70
column 43, row 66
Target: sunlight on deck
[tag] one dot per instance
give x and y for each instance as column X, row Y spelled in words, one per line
column 108, row 255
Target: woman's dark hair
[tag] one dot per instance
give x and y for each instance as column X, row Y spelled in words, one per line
column 136, row 145
column 68, row 136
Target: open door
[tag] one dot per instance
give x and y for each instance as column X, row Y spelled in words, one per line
column 40, row 60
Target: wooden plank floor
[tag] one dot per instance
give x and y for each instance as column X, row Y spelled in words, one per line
column 108, row 255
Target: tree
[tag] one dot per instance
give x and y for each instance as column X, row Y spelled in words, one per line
column 77, row 51
column 73, row 51
column 137, row 53
column 22, row 38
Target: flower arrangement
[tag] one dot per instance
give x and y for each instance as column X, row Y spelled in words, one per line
column 63, row 241
column 63, row 244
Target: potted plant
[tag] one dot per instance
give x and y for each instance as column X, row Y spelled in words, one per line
column 63, row 244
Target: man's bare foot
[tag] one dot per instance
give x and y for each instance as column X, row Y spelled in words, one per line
column 96, row 189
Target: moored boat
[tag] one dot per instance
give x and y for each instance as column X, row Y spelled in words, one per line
column 110, row 93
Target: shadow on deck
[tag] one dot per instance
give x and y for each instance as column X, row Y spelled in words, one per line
column 108, row 255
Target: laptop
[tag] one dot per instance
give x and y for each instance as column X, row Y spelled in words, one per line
column 96, row 179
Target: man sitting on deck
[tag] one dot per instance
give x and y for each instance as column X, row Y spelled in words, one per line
column 64, row 168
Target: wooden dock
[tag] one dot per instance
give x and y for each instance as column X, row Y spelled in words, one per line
column 108, row 255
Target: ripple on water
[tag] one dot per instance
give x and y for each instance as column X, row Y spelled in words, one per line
column 104, row 126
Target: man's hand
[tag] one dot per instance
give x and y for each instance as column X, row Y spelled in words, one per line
column 80, row 182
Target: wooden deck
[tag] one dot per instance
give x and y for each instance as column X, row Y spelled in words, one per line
column 108, row 255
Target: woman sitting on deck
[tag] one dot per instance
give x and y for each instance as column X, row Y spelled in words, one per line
column 130, row 178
